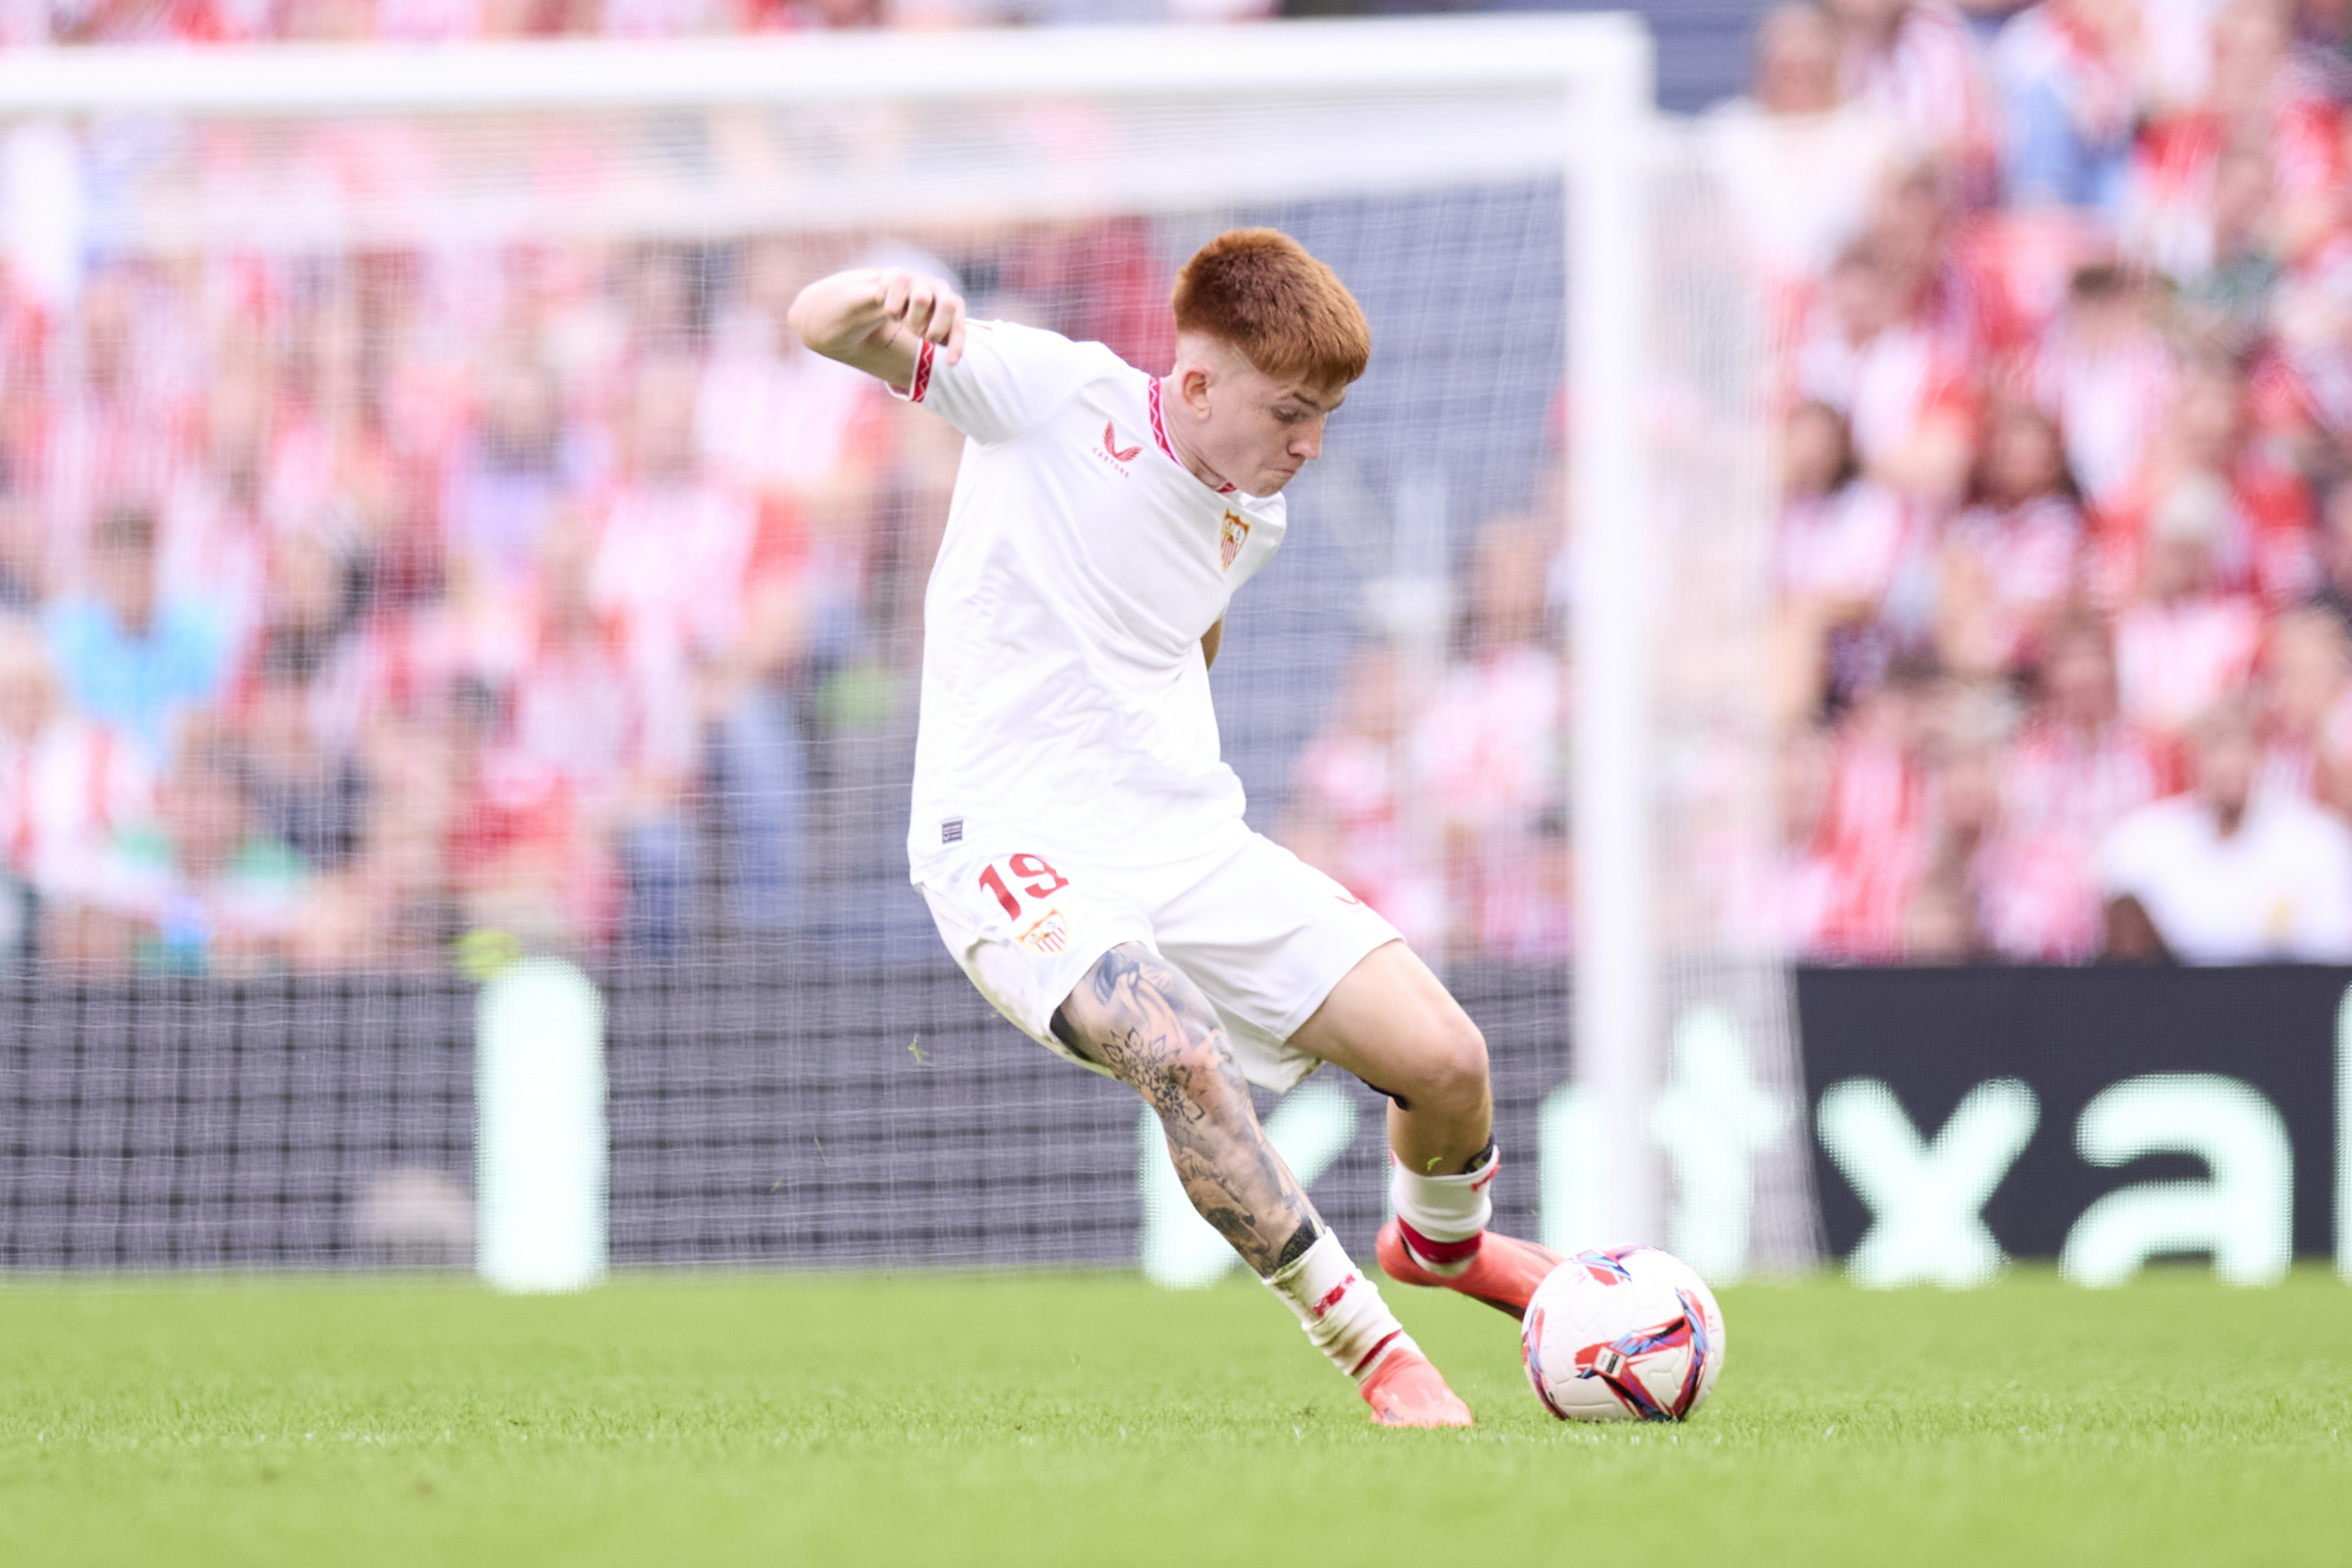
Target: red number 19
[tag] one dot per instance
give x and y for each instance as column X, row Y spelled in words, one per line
column 1046, row 881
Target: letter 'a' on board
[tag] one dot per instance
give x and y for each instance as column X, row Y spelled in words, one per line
column 2243, row 1214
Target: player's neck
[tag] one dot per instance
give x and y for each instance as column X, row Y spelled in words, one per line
column 1180, row 442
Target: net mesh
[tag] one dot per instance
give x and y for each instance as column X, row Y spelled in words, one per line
column 424, row 546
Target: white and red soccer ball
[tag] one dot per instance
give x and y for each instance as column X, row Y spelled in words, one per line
column 1628, row 1333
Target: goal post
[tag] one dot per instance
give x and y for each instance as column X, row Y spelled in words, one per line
column 1522, row 225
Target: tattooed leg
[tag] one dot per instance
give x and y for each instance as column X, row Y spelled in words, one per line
column 1137, row 1016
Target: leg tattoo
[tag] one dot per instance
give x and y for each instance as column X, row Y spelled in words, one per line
column 1152, row 1027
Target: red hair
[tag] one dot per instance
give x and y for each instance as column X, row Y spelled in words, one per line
column 1257, row 291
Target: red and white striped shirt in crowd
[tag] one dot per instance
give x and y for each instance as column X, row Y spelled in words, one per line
column 2267, row 545
column 2315, row 763
column 2306, row 379
column 1889, row 388
column 1870, row 850
column 604, row 716
column 2111, row 397
column 1489, row 745
column 1847, row 547
column 2061, row 790
column 2167, row 221
column 673, row 562
column 1928, row 82
column 2014, row 566
column 63, row 793
column 2175, row 661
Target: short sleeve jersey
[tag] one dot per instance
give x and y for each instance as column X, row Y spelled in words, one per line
column 1064, row 696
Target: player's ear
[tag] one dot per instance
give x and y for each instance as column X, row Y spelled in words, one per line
column 1192, row 386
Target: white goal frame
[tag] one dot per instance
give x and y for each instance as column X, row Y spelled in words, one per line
column 1600, row 69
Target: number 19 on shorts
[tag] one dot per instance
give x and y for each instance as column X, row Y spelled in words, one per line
column 1028, row 873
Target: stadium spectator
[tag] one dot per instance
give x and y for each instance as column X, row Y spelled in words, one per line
column 2009, row 562
column 2210, row 478
column 1874, row 839
column 599, row 743
column 2230, row 872
column 2186, row 643
column 66, row 783
column 674, row 548
column 785, row 464
column 1943, row 919
column 801, row 434
column 2334, row 592
column 304, row 794
column 1842, row 541
column 21, row 551
column 1901, row 380
column 508, row 476
column 2106, row 376
column 1348, row 787
column 1800, row 162
column 2075, row 766
column 1491, row 746
column 2257, row 98
column 132, row 652
column 199, row 886
column 1915, row 64
column 2307, row 708
column 2069, row 103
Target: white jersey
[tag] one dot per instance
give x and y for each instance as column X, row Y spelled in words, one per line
column 1064, row 689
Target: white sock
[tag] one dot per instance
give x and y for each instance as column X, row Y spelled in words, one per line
column 1444, row 1216
column 1340, row 1310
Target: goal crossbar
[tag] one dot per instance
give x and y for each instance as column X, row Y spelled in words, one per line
column 1464, row 55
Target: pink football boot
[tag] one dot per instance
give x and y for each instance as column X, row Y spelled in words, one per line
column 1404, row 1390
column 1503, row 1271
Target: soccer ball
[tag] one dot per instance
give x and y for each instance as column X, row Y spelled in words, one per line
column 1623, row 1333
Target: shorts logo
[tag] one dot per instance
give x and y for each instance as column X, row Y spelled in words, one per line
column 1047, row 934
column 1111, row 444
column 1231, row 538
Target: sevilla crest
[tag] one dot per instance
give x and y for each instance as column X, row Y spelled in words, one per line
column 1231, row 538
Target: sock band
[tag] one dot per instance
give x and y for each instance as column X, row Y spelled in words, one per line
column 1430, row 1250
column 1372, row 1358
column 1340, row 1310
column 1444, row 1208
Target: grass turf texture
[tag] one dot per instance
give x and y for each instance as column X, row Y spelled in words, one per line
column 924, row 1418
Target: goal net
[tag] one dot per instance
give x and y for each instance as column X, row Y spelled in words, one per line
column 425, row 549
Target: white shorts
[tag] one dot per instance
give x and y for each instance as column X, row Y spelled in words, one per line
column 1263, row 933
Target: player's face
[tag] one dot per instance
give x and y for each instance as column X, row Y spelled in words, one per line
column 1260, row 431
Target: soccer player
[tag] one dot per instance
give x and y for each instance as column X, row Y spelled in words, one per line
column 1076, row 832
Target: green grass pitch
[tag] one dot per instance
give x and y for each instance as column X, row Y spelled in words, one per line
column 1090, row 1419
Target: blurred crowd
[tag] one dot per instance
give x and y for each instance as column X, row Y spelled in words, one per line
column 2064, row 299
column 347, row 607
column 351, row 603
column 2060, row 311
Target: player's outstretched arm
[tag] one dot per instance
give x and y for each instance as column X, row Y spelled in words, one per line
column 878, row 319
column 1154, row 1028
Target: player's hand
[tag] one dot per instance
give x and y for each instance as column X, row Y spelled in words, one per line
column 927, row 309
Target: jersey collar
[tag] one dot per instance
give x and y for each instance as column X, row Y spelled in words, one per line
column 1160, row 435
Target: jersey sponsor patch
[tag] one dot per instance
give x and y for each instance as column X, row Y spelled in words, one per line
column 951, row 830
column 1231, row 538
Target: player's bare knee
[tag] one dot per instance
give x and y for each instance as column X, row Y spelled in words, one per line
column 1453, row 1066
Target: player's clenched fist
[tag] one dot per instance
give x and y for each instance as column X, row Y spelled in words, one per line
column 878, row 319
column 925, row 307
